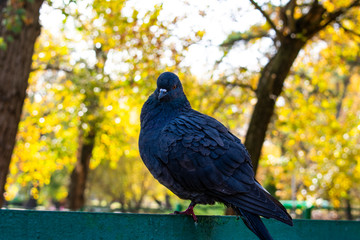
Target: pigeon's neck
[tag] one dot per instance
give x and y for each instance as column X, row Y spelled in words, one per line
column 156, row 114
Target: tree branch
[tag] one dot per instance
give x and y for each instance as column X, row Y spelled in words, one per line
column 237, row 84
column 347, row 29
column 51, row 67
column 332, row 16
column 268, row 19
column 246, row 37
column 287, row 16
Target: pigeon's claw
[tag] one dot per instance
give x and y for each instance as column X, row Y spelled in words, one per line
column 188, row 211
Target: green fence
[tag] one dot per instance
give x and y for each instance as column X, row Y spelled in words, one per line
column 28, row 225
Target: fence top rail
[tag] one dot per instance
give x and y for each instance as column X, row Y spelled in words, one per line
column 56, row 225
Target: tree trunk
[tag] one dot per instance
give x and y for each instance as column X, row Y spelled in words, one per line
column 76, row 197
column 348, row 208
column 91, row 118
column 269, row 88
column 15, row 64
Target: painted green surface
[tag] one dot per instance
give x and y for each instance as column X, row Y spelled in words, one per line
column 28, row 225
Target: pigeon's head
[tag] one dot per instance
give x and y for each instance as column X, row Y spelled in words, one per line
column 169, row 87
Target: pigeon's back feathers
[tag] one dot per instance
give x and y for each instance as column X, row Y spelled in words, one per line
column 197, row 158
column 203, row 146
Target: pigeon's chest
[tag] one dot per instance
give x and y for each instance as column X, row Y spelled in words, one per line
column 149, row 140
column 149, row 148
column 155, row 121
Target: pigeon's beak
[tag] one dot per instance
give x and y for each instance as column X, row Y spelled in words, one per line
column 162, row 93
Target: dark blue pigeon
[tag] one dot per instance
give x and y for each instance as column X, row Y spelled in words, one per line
column 198, row 159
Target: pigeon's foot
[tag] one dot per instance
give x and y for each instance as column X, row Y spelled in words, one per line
column 188, row 211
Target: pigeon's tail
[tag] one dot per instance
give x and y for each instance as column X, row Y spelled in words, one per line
column 254, row 223
column 258, row 201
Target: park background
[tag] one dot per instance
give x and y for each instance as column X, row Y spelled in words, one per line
column 281, row 75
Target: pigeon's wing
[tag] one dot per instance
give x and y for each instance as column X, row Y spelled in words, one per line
column 203, row 156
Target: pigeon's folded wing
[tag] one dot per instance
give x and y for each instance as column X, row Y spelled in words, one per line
column 202, row 155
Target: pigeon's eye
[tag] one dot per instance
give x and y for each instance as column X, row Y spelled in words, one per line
column 174, row 87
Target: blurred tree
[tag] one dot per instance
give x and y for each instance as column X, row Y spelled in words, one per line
column 142, row 39
column 290, row 26
column 318, row 125
column 95, row 91
column 45, row 146
column 19, row 28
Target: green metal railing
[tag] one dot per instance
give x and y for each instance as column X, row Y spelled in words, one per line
column 28, row 225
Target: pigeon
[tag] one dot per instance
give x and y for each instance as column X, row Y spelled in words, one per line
column 199, row 159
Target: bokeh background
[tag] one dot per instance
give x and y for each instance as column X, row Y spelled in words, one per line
column 96, row 62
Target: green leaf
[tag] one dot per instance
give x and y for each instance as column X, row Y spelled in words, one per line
column 9, row 39
column 3, row 44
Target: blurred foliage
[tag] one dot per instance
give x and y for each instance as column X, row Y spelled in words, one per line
column 101, row 68
column 311, row 151
column 316, row 132
column 91, row 79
